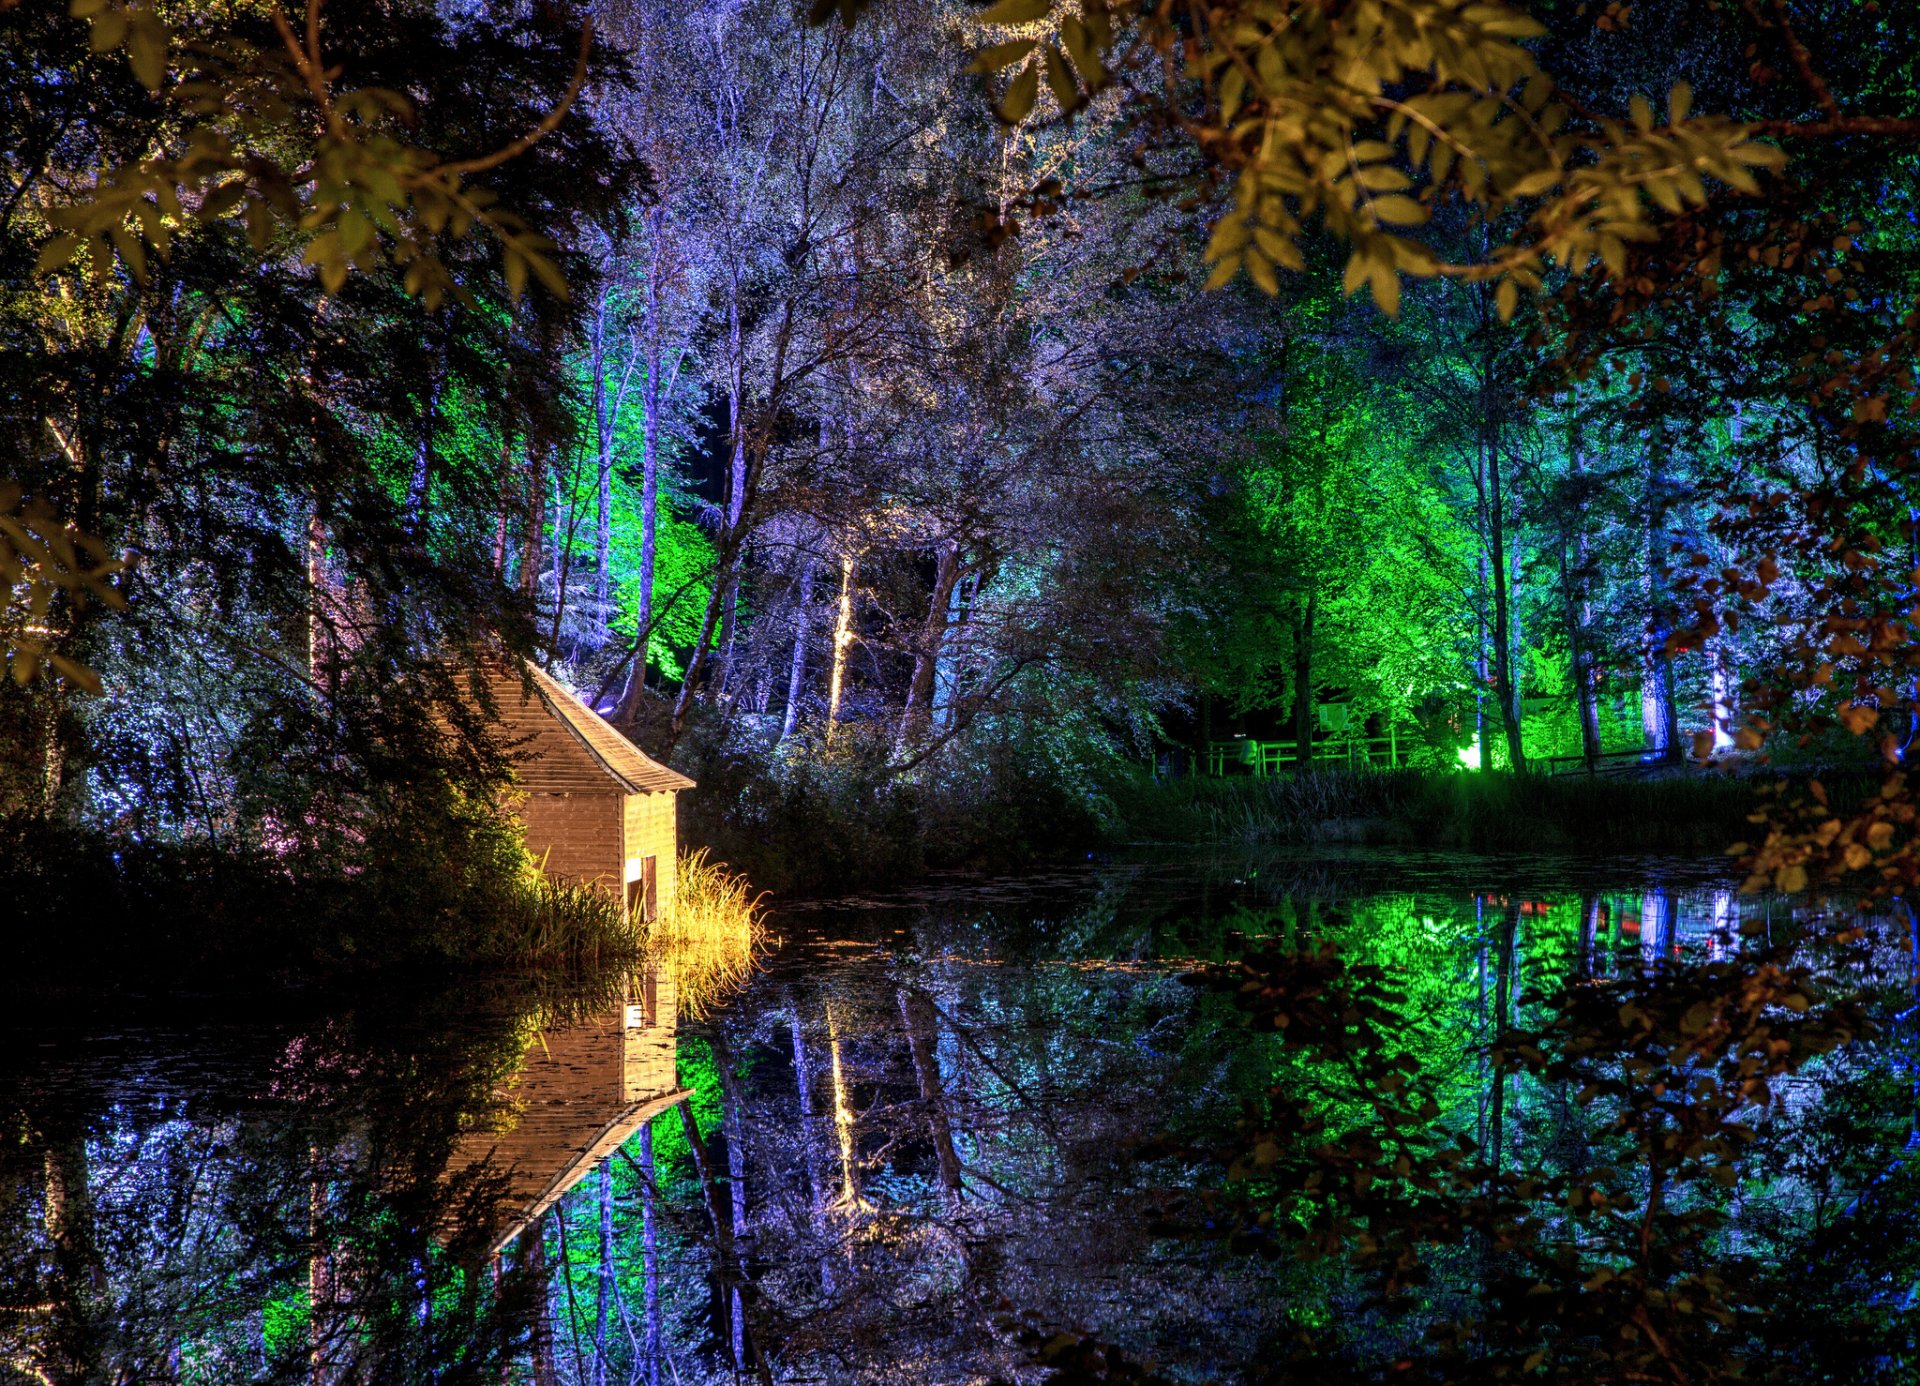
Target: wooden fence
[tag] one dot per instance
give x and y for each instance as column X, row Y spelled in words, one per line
column 1387, row 750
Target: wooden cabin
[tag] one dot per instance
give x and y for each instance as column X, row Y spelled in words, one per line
column 580, row 1093
column 597, row 810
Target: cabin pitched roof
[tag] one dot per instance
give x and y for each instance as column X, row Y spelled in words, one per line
column 630, row 769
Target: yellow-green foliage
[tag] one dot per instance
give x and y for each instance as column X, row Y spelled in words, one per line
column 708, row 936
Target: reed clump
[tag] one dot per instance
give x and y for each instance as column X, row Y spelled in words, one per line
column 710, row 935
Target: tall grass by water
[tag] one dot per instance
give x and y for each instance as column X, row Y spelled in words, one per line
column 710, row 935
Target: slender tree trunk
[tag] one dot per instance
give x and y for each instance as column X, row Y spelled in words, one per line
column 1658, row 709
column 725, row 1264
column 946, row 679
column 733, row 1116
column 736, row 476
column 605, row 1290
column 506, row 509
column 546, row 1371
column 604, row 422
column 1506, row 685
column 1502, row 994
column 536, row 516
column 316, row 595
column 652, row 399
column 802, row 628
column 1303, row 689
column 809, row 1134
column 650, row 1258
column 917, row 717
column 917, row 1013
column 1575, row 586
column 842, row 640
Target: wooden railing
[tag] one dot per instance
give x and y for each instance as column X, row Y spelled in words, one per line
column 1386, row 751
column 1352, row 750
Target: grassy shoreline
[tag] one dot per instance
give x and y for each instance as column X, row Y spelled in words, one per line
column 1676, row 813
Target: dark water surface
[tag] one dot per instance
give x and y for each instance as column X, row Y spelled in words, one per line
column 924, row 1121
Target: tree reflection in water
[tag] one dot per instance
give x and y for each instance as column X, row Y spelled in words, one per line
column 919, row 1120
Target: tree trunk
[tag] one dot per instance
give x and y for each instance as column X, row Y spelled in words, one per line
column 603, row 418
column 650, row 1258
column 1658, row 712
column 725, row 1264
column 605, row 1289
column 917, row 1012
column 733, row 1116
column 842, row 638
column 536, row 515
column 802, row 627
column 736, row 477
column 809, row 1132
column 1575, row 579
column 1303, row 689
column 1505, row 684
column 651, row 400
column 946, row 676
column 918, row 715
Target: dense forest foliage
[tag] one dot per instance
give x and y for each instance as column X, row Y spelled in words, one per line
column 861, row 434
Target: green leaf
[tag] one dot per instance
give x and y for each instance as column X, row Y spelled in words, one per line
column 1060, row 81
column 1003, row 55
column 1085, row 53
column 1017, row 104
column 57, row 253
column 1398, row 211
column 147, row 42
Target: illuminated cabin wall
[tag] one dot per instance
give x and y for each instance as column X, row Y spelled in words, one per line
column 652, row 829
column 580, row 837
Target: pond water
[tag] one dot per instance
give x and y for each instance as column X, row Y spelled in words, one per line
column 927, row 1133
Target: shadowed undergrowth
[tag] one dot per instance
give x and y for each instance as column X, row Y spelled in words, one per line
column 94, row 908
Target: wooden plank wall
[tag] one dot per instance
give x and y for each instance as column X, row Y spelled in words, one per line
column 578, row 836
column 652, row 830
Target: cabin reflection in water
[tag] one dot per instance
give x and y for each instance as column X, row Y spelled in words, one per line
column 580, row 1093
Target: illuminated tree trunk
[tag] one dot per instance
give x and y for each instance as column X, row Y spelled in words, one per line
column 946, row 676
column 1303, row 689
column 733, row 1119
column 604, row 420
column 652, row 398
column 917, row 1013
column 809, row 1133
column 736, row 479
column 842, row 639
column 649, row 1259
column 604, row 1289
column 915, row 720
column 802, row 630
